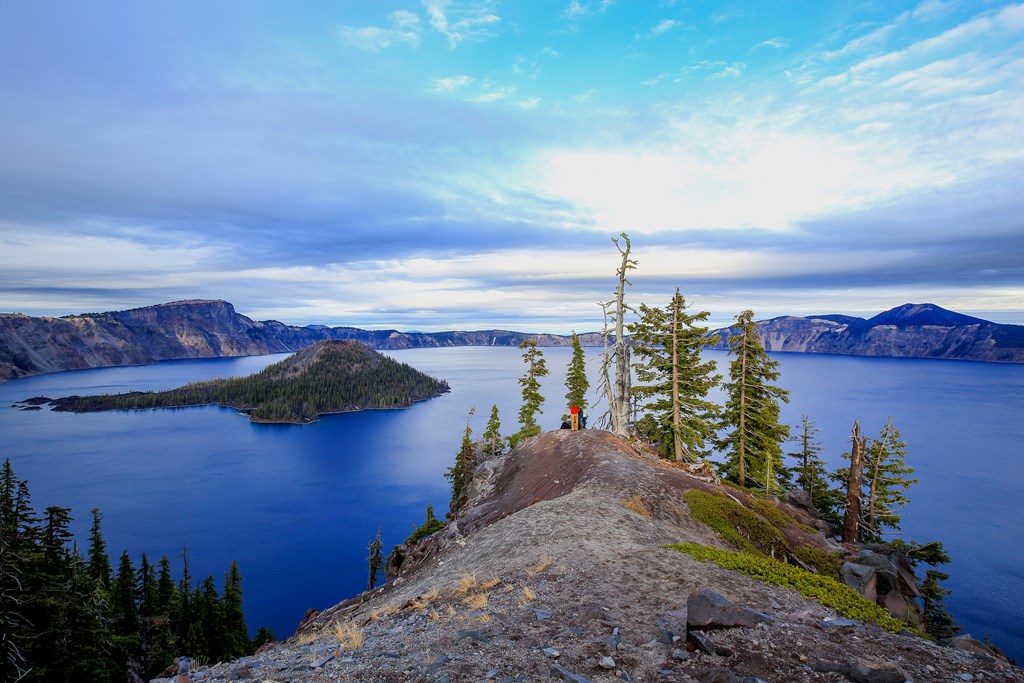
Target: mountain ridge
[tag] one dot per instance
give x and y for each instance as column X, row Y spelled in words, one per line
column 210, row 328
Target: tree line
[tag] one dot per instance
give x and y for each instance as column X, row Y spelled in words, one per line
column 69, row 615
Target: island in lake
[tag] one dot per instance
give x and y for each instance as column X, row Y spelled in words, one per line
column 330, row 376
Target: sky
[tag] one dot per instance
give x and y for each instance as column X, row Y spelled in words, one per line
column 464, row 164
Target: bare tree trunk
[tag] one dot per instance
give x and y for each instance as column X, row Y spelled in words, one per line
column 620, row 395
column 851, row 520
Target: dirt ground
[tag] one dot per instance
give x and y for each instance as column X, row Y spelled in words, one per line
column 557, row 571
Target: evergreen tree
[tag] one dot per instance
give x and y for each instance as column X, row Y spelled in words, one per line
column 532, row 398
column 812, row 476
column 237, row 635
column 460, row 473
column 492, row 444
column 938, row 622
column 264, row 634
column 99, row 561
column 16, row 631
column 754, row 434
column 92, row 649
column 576, row 382
column 886, row 482
column 672, row 380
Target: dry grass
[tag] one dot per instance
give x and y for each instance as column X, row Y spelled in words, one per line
column 467, row 583
column 527, row 597
column 379, row 612
column 350, row 637
column 478, row 601
column 490, row 583
column 544, row 564
column 637, row 506
column 307, row 638
column 418, row 603
column 484, row 618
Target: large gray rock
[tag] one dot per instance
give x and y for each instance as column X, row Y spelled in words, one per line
column 876, row 671
column 972, row 645
column 860, row 578
column 706, row 609
column 886, row 575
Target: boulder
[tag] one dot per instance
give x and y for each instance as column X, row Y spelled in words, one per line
column 706, row 609
column 867, row 670
column 885, row 571
column 860, row 578
column 966, row 643
column 719, row 675
column 896, row 603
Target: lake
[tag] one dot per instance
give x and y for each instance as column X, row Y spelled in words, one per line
column 297, row 505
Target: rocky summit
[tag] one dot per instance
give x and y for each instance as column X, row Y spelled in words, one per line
column 556, row 567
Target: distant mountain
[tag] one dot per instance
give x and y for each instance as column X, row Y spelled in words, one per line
column 330, row 376
column 907, row 331
column 198, row 329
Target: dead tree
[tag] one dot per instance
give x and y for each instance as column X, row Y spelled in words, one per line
column 851, row 520
column 619, row 391
column 375, row 560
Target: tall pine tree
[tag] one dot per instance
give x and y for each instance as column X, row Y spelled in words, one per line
column 811, row 475
column 492, row 443
column 673, row 380
column 576, row 382
column 532, row 398
column 754, row 435
column 886, row 480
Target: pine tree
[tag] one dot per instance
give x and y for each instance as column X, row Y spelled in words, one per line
column 576, row 382
column 237, row 643
column 886, row 483
column 99, row 562
column 460, row 473
column 492, row 444
column 812, row 476
column 754, row 434
column 15, row 565
column 532, row 398
column 938, row 622
column 672, row 380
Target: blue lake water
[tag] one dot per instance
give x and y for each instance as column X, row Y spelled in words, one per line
column 297, row 505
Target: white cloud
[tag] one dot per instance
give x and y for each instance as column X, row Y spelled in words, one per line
column 495, row 95
column 450, row 84
column 404, row 29
column 734, row 70
column 663, row 27
column 464, row 21
column 528, row 103
column 931, row 9
column 777, row 42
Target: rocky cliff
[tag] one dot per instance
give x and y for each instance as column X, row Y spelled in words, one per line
column 197, row 329
column 908, row 331
column 556, row 567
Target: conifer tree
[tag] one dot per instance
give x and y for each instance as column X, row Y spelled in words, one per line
column 493, row 445
column 237, row 643
column 460, row 473
column 754, row 435
column 672, row 380
column 122, row 602
column 812, row 476
column 886, row 482
column 532, row 398
column 576, row 382
column 99, row 562
column 15, row 562
column 938, row 622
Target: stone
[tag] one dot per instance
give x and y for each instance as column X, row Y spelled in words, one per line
column 560, row 673
column 542, row 614
column 552, row 652
column 493, row 673
column 437, row 664
column 321, row 661
column 753, row 679
column 967, row 643
column 860, row 578
column 706, row 609
column 472, row 635
column 719, row 675
column 702, row 642
column 606, row 663
column 896, row 603
column 680, row 655
column 966, row 677
column 867, row 670
column 841, row 625
column 885, row 571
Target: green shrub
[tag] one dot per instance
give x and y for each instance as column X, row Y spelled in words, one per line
column 826, row 563
column 823, row 589
column 429, row 526
column 776, row 516
column 744, row 528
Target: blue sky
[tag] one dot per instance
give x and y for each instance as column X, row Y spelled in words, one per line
column 459, row 164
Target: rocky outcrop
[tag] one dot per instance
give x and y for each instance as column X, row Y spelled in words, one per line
column 908, row 331
column 198, row 329
column 557, row 569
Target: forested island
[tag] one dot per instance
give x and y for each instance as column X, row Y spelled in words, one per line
column 331, row 376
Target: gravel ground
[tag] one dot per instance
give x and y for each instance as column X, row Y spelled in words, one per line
column 556, row 571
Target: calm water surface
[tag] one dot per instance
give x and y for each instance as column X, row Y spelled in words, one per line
column 296, row 505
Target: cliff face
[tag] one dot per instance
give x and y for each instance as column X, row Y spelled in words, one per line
column 908, row 331
column 197, row 329
column 556, row 569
